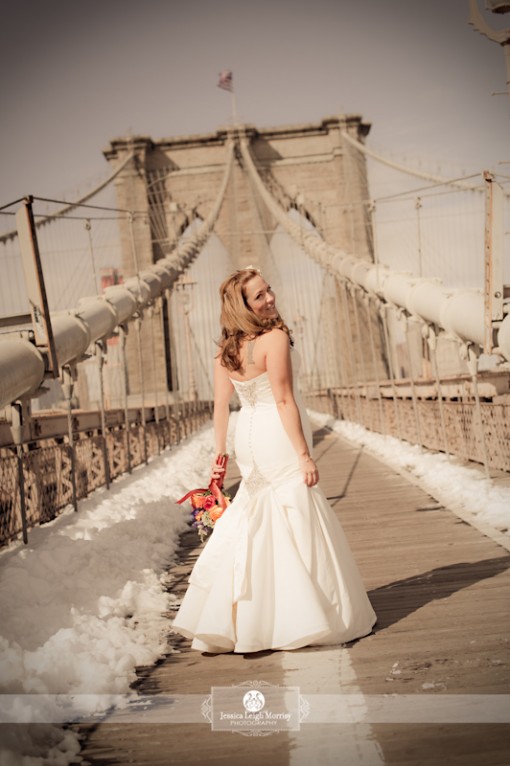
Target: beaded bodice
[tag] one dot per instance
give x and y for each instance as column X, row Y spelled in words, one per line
column 254, row 391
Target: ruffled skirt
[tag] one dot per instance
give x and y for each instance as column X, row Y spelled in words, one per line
column 276, row 573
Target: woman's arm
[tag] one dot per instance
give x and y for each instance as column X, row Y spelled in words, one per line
column 279, row 370
column 223, row 390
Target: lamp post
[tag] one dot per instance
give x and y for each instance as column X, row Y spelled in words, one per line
column 502, row 36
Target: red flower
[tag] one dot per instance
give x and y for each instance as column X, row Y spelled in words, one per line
column 209, row 502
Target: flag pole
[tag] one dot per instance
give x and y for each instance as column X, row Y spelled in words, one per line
column 226, row 83
column 234, row 109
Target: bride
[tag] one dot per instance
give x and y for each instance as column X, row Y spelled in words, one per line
column 277, row 571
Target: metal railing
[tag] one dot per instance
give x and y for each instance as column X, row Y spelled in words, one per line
column 50, row 471
column 455, row 426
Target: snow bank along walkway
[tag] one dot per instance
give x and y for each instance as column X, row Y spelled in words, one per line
column 440, row 589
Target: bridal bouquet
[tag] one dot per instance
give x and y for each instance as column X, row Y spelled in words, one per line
column 207, row 505
column 206, row 511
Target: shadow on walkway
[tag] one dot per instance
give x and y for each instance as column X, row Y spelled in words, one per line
column 396, row 600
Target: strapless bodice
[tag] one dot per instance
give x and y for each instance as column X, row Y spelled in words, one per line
column 258, row 390
column 255, row 391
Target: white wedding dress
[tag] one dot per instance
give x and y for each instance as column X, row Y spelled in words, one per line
column 277, row 571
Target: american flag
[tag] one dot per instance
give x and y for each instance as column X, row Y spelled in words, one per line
column 225, row 80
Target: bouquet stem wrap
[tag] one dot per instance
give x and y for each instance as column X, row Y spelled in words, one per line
column 208, row 503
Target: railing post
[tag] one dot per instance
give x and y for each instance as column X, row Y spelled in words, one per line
column 167, row 395
column 154, row 376
column 472, row 363
column 125, row 387
column 16, row 425
column 100, row 363
column 22, row 496
column 138, row 328
column 494, row 291
column 68, row 377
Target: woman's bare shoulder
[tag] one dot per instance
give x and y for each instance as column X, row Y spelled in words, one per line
column 219, row 366
column 275, row 338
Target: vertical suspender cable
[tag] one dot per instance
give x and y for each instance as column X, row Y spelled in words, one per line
column 392, row 369
column 353, row 376
column 97, row 286
column 418, row 206
column 382, row 421
column 413, row 388
column 432, row 341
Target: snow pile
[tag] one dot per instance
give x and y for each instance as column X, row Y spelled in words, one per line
column 43, row 745
column 83, row 603
column 458, row 487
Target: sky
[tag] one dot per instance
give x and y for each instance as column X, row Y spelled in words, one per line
column 76, row 75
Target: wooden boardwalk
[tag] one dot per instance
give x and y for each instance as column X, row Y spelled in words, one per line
column 441, row 592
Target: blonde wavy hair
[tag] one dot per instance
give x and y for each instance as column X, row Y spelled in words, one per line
column 238, row 321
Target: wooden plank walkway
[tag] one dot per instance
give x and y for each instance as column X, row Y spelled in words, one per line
column 441, row 592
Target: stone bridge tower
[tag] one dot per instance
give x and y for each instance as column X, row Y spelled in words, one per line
column 309, row 167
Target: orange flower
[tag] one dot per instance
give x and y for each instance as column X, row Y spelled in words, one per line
column 197, row 500
column 215, row 513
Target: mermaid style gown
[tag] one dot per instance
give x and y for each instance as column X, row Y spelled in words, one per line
column 277, row 571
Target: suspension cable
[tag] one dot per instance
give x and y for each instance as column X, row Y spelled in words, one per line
column 404, row 169
column 71, row 205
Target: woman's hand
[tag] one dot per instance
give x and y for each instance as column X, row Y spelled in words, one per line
column 309, row 470
column 218, row 468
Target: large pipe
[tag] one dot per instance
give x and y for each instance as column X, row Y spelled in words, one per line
column 22, row 365
column 98, row 315
column 426, row 299
column 154, row 283
column 72, row 337
column 460, row 312
column 122, row 301
column 397, row 289
column 22, row 370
